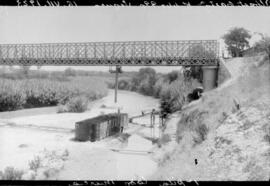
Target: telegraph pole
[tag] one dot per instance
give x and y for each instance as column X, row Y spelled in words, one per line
column 116, row 72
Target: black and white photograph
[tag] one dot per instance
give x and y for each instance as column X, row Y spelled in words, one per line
column 135, row 93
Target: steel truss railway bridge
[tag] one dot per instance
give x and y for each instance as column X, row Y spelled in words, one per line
column 131, row 53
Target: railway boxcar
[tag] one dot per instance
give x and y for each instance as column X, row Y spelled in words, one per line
column 100, row 127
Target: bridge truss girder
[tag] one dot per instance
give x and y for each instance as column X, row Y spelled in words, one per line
column 113, row 62
column 132, row 53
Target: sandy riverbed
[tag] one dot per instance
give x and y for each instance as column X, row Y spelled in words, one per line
column 24, row 136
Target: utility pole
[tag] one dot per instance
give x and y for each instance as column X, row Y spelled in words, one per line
column 116, row 72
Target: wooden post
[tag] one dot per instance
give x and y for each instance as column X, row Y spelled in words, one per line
column 116, row 85
column 116, row 71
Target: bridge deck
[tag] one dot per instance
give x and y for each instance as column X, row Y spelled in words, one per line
column 131, row 53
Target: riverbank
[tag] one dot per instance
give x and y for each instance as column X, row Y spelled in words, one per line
column 225, row 135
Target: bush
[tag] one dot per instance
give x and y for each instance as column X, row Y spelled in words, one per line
column 50, row 172
column 195, row 94
column 267, row 138
column 159, row 85
column 61, row 108
column 166, row 106
column 202, row 131
column 267, row 135
column 263, row 45
column 174, row 95
column 123, row 84
column 11, row 174
column 171, row 88
column 11, row 96
column 77, row 104
column 172, row 76
column 35, row 163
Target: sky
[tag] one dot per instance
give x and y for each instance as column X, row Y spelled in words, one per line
column 90, row 24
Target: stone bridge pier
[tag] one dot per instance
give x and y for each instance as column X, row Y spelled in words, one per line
column 210, row 77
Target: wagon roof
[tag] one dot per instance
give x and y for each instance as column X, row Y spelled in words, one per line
column 100, row 118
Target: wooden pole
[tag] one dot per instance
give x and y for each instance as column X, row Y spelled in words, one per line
column 116, row 71
column 116, row 85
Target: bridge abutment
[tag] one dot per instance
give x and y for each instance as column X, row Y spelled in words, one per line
column 210, row 76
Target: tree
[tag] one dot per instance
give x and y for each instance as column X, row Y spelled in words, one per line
column 237, row 41
column 263, row 45
column 172, row 76
column 144, row 81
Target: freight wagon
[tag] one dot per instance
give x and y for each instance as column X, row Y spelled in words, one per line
column 100, row 127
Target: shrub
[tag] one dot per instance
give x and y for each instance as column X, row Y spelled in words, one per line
column 202, row 131
column 263, row 45
column 35, row 163
column 159, row 85
column 123, row 84
column 50, row 172
column 11, row 174
column 267, row 135
column 166, row 106
column 61, row 108
column 174, row 95
column 267, row 138
column 172, row 76
column 11, row 96
column 77, row 104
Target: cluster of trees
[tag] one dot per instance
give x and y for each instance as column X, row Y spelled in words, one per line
column 237, row 41
column 263, row 45
column 171, row 88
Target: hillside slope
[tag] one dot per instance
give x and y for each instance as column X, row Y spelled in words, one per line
column 227, row 131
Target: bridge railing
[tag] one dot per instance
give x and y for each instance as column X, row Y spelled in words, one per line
column 54, row 53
